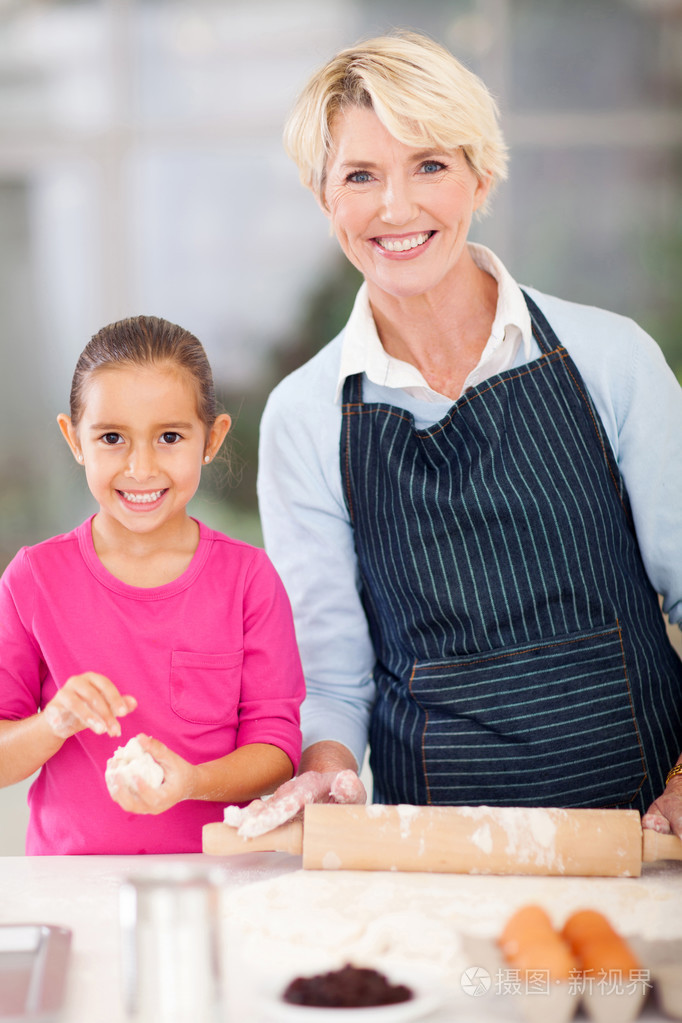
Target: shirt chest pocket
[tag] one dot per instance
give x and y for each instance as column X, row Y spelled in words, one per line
column 205, row 688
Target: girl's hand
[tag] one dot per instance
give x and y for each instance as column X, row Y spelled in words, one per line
column 87, row 701
column 139, row 797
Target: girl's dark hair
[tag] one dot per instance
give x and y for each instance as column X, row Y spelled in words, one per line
column 145, row 340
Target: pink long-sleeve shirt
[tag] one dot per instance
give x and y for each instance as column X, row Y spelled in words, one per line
column 211, row 659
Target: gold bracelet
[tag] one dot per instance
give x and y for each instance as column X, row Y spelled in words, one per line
column 673, row 772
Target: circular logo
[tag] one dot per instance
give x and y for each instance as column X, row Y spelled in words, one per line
column 475, row 981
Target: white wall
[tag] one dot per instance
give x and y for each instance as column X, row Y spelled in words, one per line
column 14, row 818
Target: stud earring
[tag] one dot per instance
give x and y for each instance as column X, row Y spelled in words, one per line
column 80, row 458
column 207, row 458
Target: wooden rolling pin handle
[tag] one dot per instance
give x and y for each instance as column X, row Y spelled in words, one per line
column 656, row 846
column 222, row 840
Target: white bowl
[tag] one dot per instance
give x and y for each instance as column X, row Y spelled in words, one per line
column 422, row 1004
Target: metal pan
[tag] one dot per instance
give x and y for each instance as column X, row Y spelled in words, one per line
column 33, row 968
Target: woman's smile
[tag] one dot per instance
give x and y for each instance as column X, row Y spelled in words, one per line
column 405, row 243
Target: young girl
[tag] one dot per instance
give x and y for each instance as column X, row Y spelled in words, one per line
column 144, row 622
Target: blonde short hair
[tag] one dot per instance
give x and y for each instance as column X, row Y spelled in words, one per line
column 419, row 92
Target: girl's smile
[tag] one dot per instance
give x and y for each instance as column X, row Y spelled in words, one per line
column 142, row 500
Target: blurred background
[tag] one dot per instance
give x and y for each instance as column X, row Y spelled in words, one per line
column 141, row 171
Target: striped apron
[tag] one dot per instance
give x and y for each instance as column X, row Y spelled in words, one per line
column 521, row 655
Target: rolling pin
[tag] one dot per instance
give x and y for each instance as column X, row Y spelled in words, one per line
column 460, row 840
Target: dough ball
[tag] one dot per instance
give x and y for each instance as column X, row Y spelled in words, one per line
column 130, row 763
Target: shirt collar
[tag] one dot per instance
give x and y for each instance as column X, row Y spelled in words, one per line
column 362, row 351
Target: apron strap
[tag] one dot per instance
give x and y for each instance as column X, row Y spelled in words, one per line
column 542, row 331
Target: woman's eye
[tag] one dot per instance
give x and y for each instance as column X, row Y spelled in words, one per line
column 359, row 177
column 111, row 438
column 170, row 437
column 432, row 167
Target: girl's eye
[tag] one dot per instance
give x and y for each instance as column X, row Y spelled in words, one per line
column 170, row 437
column 431, row 167
column 111, row 438
column 359, row 177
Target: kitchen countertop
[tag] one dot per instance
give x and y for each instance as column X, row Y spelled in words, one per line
column 81, row 893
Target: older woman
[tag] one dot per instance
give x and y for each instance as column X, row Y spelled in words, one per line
column 474, row 493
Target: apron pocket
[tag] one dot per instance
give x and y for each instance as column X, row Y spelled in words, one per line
column 545, row 724
column 205, row 688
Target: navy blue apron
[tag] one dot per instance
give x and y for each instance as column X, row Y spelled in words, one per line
column 521, row 655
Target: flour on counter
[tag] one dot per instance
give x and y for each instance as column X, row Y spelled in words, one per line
column 306, row 921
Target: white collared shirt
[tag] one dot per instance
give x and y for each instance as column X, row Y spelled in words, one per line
column 362, row 351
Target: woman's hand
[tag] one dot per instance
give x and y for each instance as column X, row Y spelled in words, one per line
column 665, row 813
column 87, row 701
column 288, row 801
column 327, row 774
column 138, row 797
